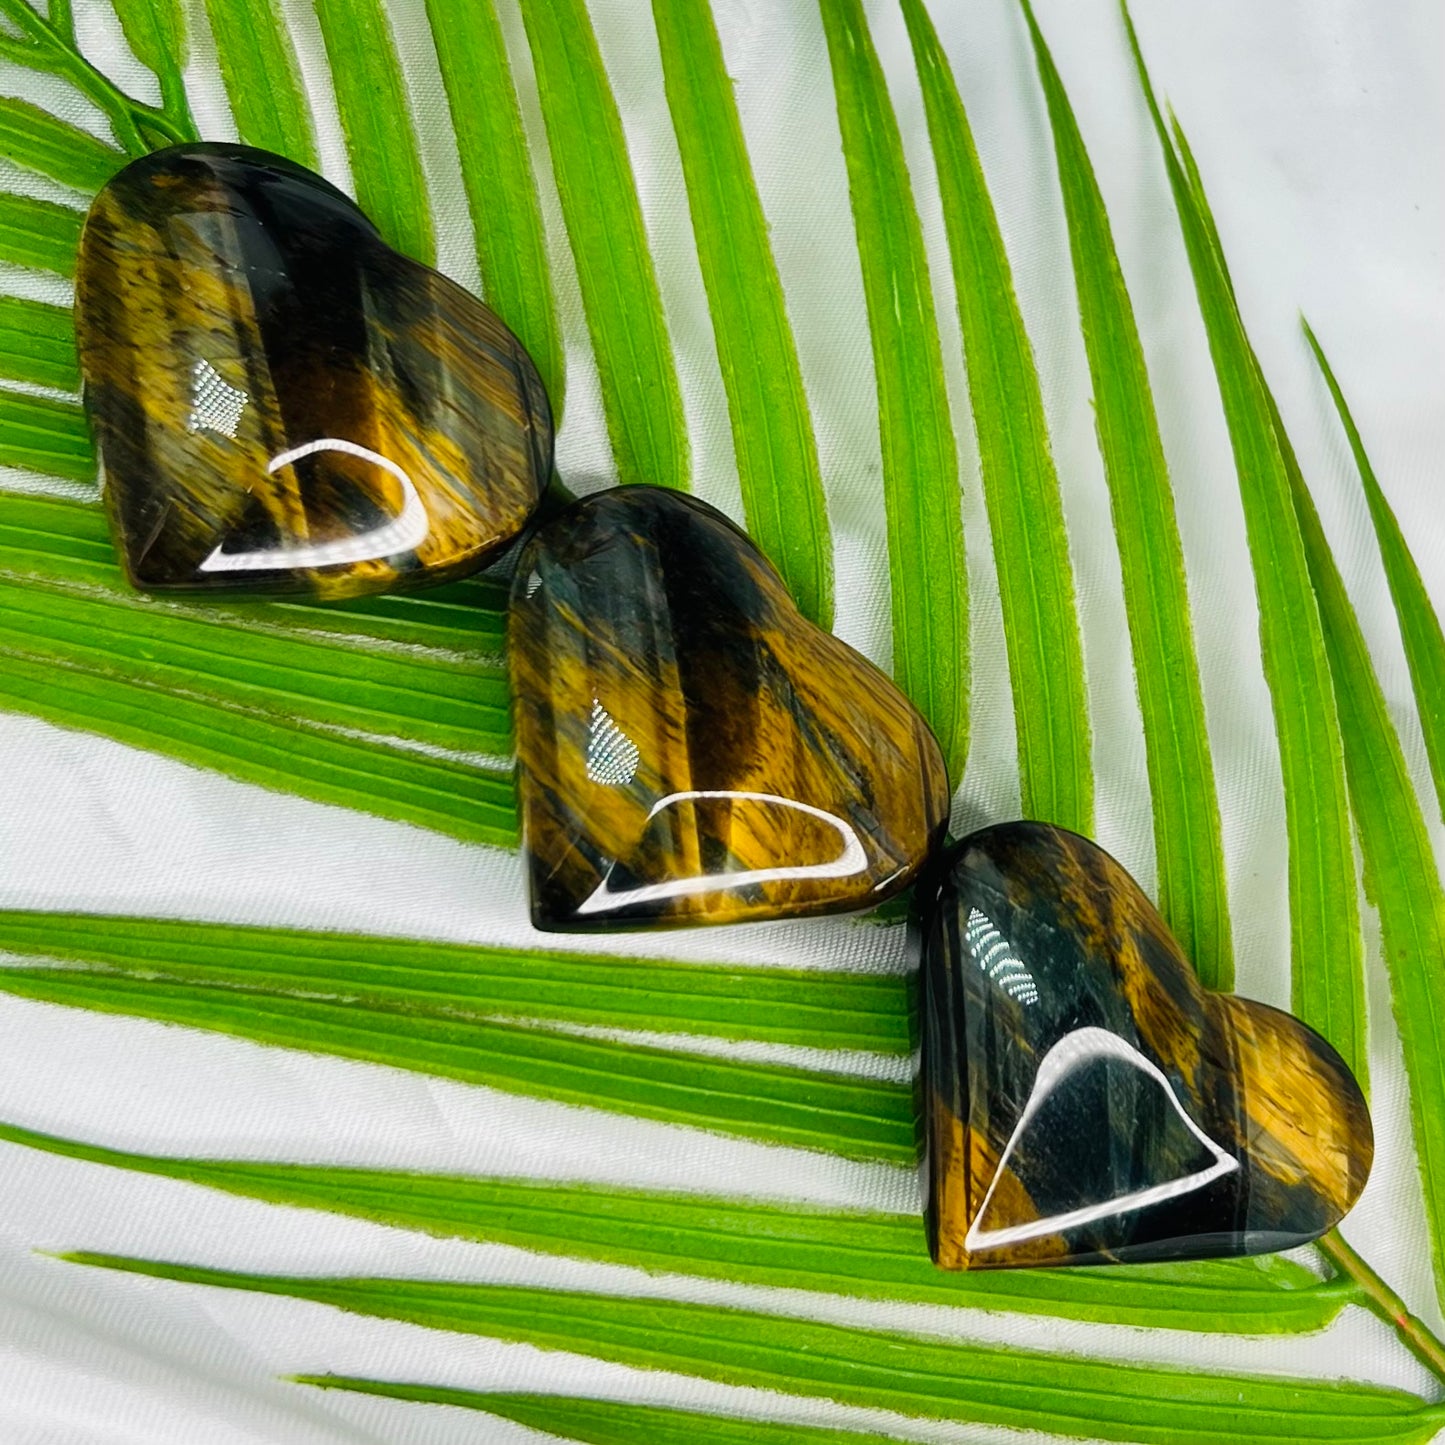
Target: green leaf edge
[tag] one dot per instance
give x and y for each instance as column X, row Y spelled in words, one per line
column 1402, row 878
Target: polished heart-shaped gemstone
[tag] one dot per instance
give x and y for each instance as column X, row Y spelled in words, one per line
column 282, row 403
column 692, row 749
column 1086, row 1100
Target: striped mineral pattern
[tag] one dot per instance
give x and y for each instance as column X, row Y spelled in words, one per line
column 1086, row 1100
column 691, row 748
column 283, row 404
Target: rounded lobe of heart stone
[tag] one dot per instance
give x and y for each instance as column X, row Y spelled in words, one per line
column 283, row 404
column 1085, row 1099
column 691, row 749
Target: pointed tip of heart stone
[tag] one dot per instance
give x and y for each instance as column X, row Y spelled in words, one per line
column 283, row 404
column 691, row 749
column 1086, row 1099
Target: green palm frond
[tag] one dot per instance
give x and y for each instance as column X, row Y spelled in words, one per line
column 640, row 393
column 1419, row 623
column 928, row 579
column 1401, row 876
column 1021, row 488
column 1326, row 948
column 399, row 707
column 376, row 119
column 854, row 1253
column 1188, row 844
column 912, row 1374
column 777, row 455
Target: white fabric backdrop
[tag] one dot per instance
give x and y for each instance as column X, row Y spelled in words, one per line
column 1318, row 126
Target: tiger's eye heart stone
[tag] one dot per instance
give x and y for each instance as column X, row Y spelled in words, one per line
column 1086, row 1100
column 282, row 403
column 691, row 749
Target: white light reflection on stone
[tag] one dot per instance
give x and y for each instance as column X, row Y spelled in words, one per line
column 404, row 533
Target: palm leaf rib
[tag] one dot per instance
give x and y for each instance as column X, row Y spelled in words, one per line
column 48, row 43
column 155, row 30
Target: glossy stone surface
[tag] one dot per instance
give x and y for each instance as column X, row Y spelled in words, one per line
column 1085, row 1100
column 282, row 403
column 691, row 749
